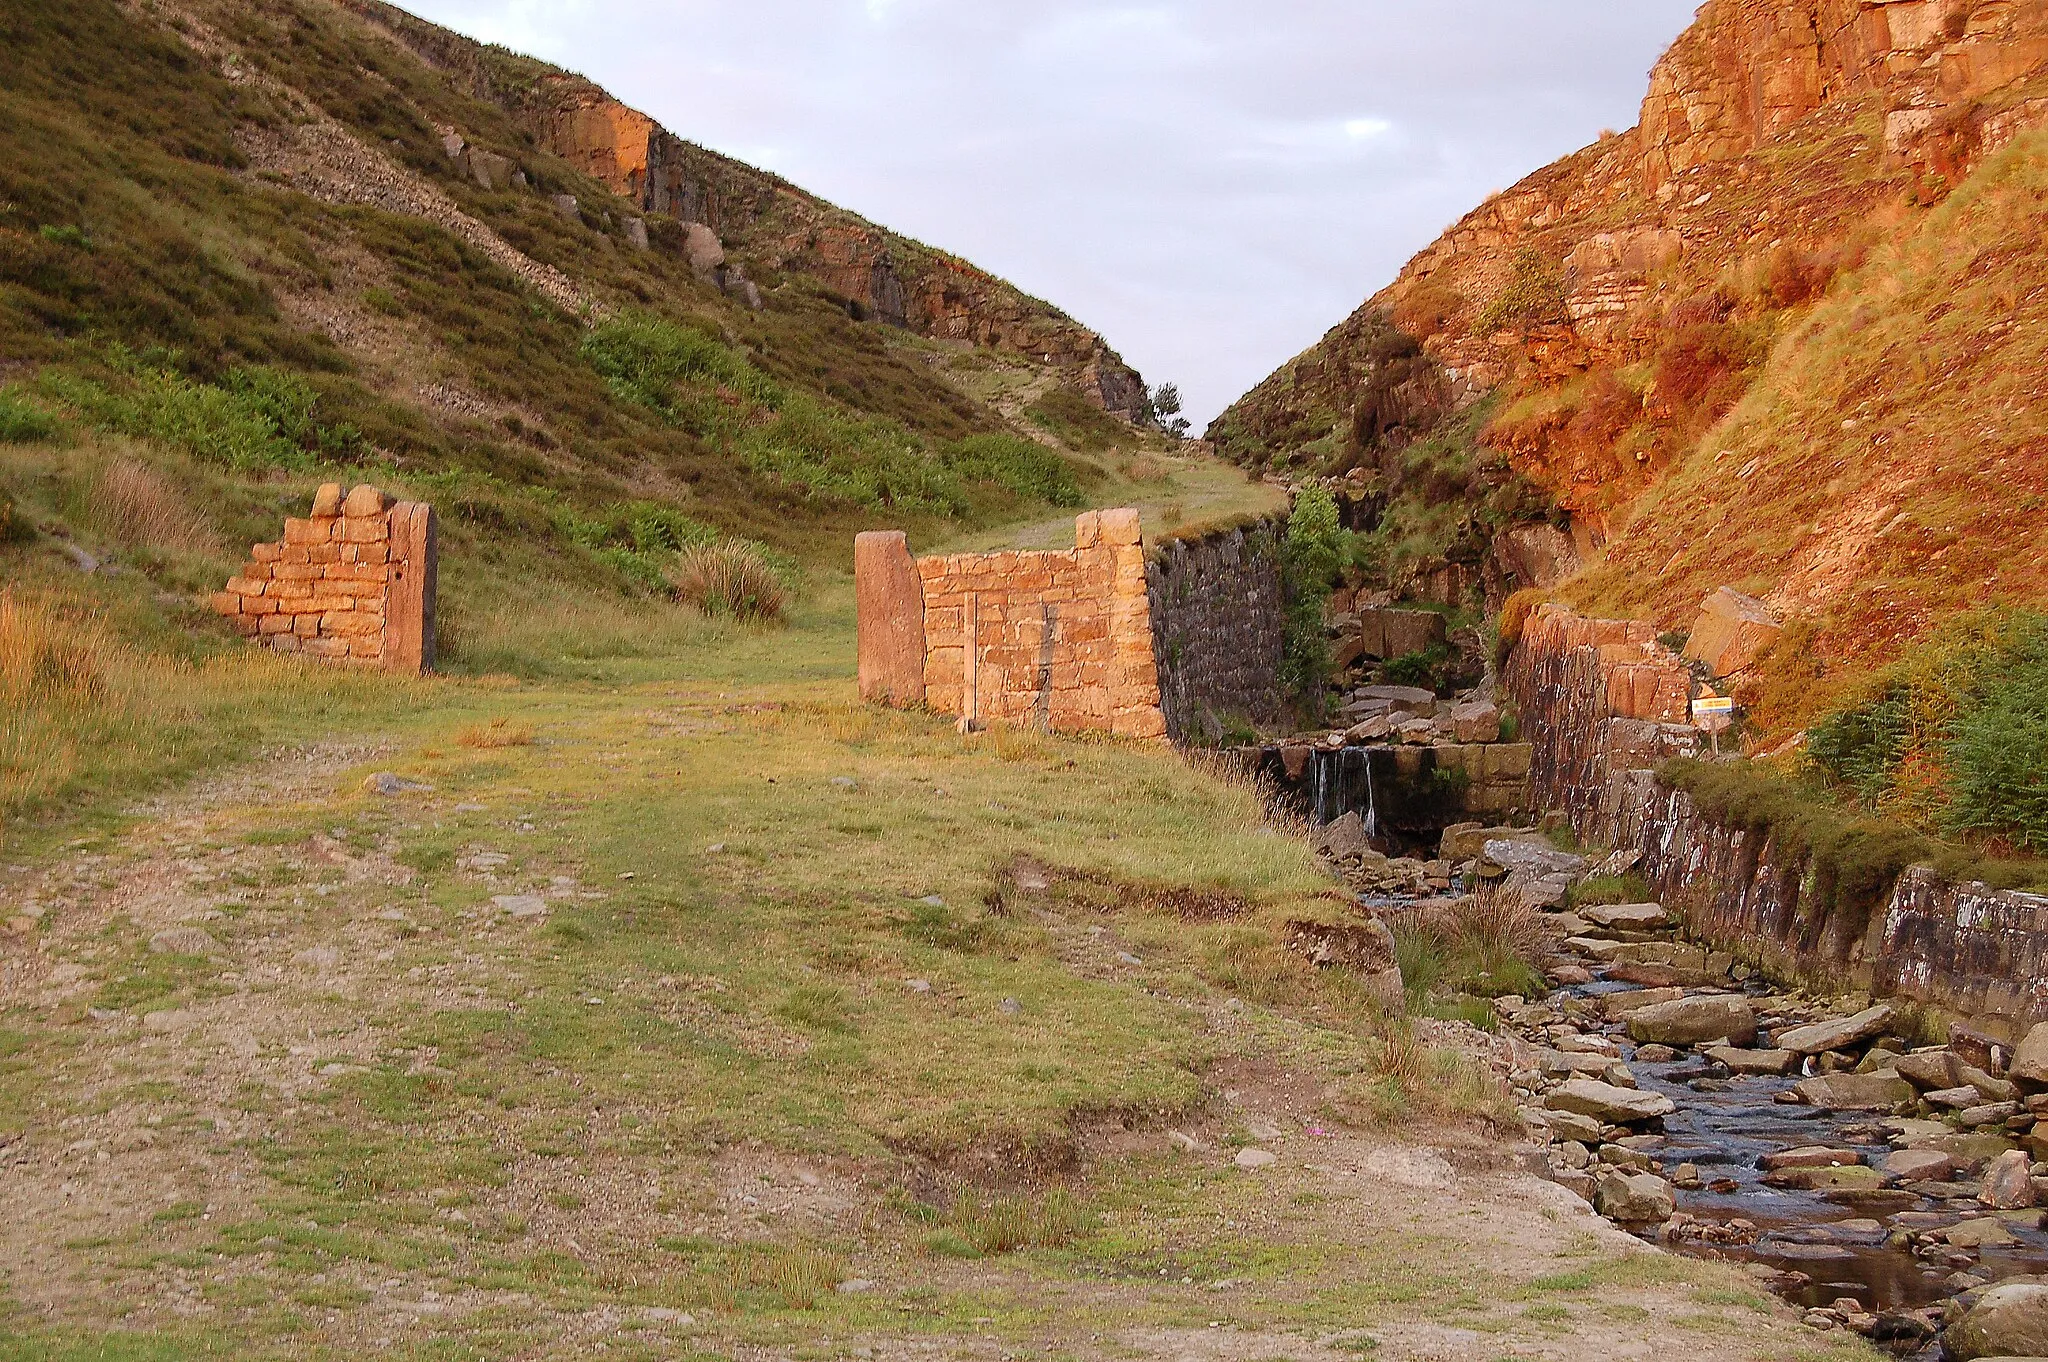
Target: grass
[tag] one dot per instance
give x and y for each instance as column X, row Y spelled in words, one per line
column 730, row 580
column 1879, row 467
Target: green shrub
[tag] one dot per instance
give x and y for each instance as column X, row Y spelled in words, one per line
column 20, row 423
column 643, row 359
column 1997, row 745
column 1861, row 747
column 255, row 418
column 1078, row 423
column 1311, row 556
column 1024, row 466
column 841, row 456
column 1534, row 296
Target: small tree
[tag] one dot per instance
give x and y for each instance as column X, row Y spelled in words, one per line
column 1166, row 407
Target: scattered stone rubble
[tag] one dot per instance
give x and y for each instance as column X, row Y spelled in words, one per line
column 1942, row 1161
column 1965, row 1168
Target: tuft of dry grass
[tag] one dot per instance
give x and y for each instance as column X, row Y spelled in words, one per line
column 138, row 506
column 730, row 579
column 46, row 660
column 497, row 733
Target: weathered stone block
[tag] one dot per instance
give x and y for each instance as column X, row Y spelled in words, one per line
column 327, row 501
column 365, row 501
column 409, row 602
column 332, row 648
column 243, row 586
column 266, row 553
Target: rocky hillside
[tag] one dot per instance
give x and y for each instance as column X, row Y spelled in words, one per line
column 759, row 216
column 1782, row 335
column 264, row 235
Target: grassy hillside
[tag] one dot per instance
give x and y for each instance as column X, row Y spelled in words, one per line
column 147, row 259
column 1884, row 471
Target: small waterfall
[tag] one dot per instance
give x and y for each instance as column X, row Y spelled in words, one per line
column 1372, row 808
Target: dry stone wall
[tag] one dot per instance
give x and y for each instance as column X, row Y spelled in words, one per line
column 1600, row 699
column 1217, row 630
column 354, row 582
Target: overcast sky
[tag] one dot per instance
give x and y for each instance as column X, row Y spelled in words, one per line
column 1212, row 184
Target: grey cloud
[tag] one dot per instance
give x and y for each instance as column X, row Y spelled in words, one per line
column 1211, row 183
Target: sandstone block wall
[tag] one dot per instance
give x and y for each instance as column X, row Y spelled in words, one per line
column 1056, row 640
column 1963, row 947
column 354, row 582
column 1217, row 631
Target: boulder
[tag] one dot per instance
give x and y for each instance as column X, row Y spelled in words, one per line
column 1851, row 1176
column 1919, row 1165
column 1690, row 1021
column 1537, row 858
column 2030, row 1061
column 1810, row 1156
column 1993, row 1089
column 1931, row 1069
column 1608, row 1103
column 2006, row 1185
column 1634, row 1198
column 1467, row 841
column 1475, row 721
column 1344, row 838
column 1570, row 1125
column 2007, row 1321
column 1956, row 1098
column 1410, row 700
column 1618, row 1005
column 1969, row 1150
column 1839, row 1034
column 1752, row 1061
column 1984, row 1232
column 1855, row 1092
column 701, row 248
column 1731, row 632
column 1634, row 917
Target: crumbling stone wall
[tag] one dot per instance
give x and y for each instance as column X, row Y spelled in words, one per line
column 354, row 582
column 1057, row 640
column 1600, row 701
column 1217, row 630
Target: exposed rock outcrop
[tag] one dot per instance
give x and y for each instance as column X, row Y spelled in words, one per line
column 1613, row 287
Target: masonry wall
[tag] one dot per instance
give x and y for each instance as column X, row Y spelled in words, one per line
column 1217, row 630
column 1599, row 699
column 1058, row 640
column 354, row 582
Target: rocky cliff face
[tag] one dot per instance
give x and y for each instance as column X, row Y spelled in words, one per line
column 770, row 222
column 1617, row 304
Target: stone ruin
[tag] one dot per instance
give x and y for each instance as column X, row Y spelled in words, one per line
column 1058, row 640
column 354, row 582
column 1179, row 641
